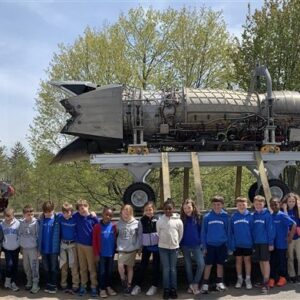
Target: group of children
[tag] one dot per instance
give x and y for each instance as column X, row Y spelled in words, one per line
column 80, row 242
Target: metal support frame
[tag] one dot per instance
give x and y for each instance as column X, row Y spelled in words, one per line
column 262, row 165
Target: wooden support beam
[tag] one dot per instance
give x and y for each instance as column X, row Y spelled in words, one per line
column 197, row 180
column 165, row 175
column 238, row 181
column 263, row 177
column 161, row 189
column 186, row 182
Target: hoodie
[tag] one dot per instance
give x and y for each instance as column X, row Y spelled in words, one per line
column 263, row 228
column 28, row 233
column 170, row 231
column 282, row 222
column 191, row 232
column 241, row 225
column 127, row 240
column 215, row 229
column 11, row 232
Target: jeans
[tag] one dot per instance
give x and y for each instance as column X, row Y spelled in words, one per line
column 50, row 266
column 278, row 264
column 144, row 264
column 105, row 269
column 195, row 253
column 168, row 258
column 11, row 263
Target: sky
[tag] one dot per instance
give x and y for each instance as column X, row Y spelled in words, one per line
column 30, row 31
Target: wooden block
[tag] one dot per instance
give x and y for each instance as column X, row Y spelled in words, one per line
column 165, row 175
column 197, row 180
column 263, row 177
column 238, row 181
column 186, row 182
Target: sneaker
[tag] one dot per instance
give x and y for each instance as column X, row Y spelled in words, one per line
column 103, row 294
column 7, row 283
column 110, row 291
column 136, row 290
column 265, row 289
column 239, row 283
column 195, row 289
column 166, row 294
column 14, row 287
column 65, row 290
column 94, row 292
column 35, row 288
column 220, row 287
column 127, row 291
column 248, row 284
column 271, row 283
column 52, row 290
column 152, row 291
column 293, row 279
column 173, row 294
column 204, row 289
column 82, row 291
column 74, row 291
column 281, row 282
column 28, row 286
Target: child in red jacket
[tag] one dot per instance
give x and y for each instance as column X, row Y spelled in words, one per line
column 104, row 245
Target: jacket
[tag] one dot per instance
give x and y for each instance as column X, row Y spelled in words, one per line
column 170, row 231
column 28, row 233
column 147, row 231
column 127, row 240
column 55, row 235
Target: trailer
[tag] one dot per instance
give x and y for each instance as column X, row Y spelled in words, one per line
column 266, row 167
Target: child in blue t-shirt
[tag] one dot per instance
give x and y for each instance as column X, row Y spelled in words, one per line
column 291, row 205
column 241, row 224
column 191, row 244
column 215, row 236
column 85, row 222
column 283, row 236
column 68, row 254
column 49, row 245
column 104, row 246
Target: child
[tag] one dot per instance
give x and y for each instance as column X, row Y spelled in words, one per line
column 215, row 233
column 127, row 246
column 149, row 240
column 11, row 247
column 190, row 244
column 291, row 206
column 48, row 245
column 85, row 222
column 104, row 245
column 68, row 254
column 283, row 236
column 263, row 238
column 28, row 235
column 241, row 225
column 170, row 231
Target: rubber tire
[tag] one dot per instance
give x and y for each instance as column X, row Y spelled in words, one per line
column 252, row 192
column 138, row 186
column 276, row 183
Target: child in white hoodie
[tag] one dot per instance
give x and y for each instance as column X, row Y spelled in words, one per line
column 11, row 246
column 170, row 231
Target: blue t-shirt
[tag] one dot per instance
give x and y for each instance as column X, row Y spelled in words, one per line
column 84, row 227
column 191, row 232
column 47, row 235
column 67, row 228
column 108, row 240
column 282, row 222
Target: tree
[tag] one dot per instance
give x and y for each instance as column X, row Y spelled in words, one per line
column 271, row 36
column 4, row 167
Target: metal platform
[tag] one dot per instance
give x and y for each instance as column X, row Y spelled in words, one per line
column 183, row 159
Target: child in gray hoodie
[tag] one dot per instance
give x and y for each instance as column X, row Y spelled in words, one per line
column 11, row 246
column 127, row 245
column 28, row 235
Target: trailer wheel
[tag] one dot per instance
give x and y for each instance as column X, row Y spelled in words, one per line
column 138, row 194
column 252, row 192
column 278, row 188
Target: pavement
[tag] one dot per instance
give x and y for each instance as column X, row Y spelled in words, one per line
column 289, row 292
